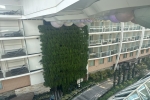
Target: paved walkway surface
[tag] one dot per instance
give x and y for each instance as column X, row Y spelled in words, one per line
column 96, row 91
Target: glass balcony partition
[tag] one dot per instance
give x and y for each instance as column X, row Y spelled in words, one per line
column 102, row 54
column 14, row 53
column 17, row 70
column 11, row 33
column 1, row 73
column 11, row 10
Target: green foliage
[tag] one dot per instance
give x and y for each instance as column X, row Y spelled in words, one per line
column 119, row 87
column 100, row 75
column 141, row 68
column 42, row 96
column 64, row 53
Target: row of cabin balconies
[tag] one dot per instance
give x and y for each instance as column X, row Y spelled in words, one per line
column 111, row 28
column 103, row 41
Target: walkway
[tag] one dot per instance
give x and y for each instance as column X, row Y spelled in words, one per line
column 96, row 91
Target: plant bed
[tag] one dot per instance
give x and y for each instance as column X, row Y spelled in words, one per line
column 43, row 96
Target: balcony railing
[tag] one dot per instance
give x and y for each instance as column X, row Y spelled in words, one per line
column 104, row 28
column 12, row 34
column 13, row 53
column 11, row 10
column 129, row 49
column 102, row 54
column 132, row 27
column 113, row 28
column 16, row 71
column 146, row 37
column 145, row 46
column 103, row 41
column 133, row 38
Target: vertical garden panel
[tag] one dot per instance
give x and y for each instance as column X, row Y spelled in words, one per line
column 65, row 54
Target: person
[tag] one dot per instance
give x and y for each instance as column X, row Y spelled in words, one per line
column 52, row 97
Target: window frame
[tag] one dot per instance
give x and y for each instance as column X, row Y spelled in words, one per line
column 125, row 55
column 142, row 51
column 102, row 61
column 131, row 54
column 110, row 59
column 1, row 84
column 93, row 63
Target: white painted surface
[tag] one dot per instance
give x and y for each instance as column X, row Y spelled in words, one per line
column 34, row 63
column 36, row 78
column 33, row 46
column 31, row 27
column 37, row 8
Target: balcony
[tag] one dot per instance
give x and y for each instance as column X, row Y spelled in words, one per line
column 133, row 38
column 103, row 41
column 146, row 37
column 13, row 53
column 145, row 46
column 129, row 49
column 102, row 54
column 11, row 10
column 11, row 34
column 94, row 29
column 19, row 70
column 132, row 27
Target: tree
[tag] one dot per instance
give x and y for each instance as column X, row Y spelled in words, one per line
column 140, row 69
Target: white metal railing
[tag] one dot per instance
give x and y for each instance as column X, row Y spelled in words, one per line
column 15, row 10
column 133, row 38
column 129, row 49
column 102, row 54
column 13, row 53
column 93, row 29
column 104, row 41
column 18, row 70
column 146, row 37
column 132, row 27
column 104, row 28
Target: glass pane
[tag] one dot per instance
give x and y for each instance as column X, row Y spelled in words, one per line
column 92, row 63
column 1, row 85
column 144, row 93
column 134, row 96
column 101, row 61
column 148, row 84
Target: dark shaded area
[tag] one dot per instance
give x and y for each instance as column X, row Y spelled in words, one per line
column 27, row 96
column 17, row 71
column 19, row 52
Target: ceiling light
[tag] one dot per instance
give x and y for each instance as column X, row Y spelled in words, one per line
column 2, row 6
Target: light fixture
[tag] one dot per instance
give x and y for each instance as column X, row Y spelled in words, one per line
column 2, row 6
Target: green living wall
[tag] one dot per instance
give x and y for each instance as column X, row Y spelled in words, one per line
column 65, row 55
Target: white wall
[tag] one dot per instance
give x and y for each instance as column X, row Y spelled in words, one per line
column 31, row 27
column 36, row 78
column 33, row 46
column 34, row 63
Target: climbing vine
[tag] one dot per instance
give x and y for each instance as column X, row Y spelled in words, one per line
column 65, row 55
